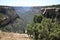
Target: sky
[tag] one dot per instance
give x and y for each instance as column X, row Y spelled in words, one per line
column 29, row 2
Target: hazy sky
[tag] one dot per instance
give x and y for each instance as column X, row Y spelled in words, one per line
column 28, row 2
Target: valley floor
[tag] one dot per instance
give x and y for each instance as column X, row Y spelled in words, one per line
column 13, row 36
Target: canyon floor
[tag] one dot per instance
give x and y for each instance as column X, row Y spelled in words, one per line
column 13, row 36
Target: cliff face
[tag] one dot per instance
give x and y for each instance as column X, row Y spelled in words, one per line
column 8, row 15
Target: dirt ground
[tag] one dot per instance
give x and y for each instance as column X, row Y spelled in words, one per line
column 13, row 36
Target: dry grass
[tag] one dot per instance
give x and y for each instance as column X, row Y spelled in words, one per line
column 13, row 36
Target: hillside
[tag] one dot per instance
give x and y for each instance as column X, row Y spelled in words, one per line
column 17, row 18
column 9, row 20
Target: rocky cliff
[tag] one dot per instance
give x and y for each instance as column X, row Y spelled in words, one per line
column 9, row 19
column 51, row 12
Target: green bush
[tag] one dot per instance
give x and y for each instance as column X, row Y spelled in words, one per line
column 44, row 29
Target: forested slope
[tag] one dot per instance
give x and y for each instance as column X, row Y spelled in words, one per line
column 9, row 19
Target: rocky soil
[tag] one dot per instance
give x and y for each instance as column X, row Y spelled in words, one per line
column 13, row 36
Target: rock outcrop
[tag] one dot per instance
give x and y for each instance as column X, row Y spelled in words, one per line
column 51, row 12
